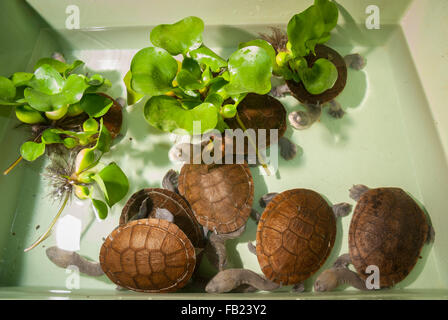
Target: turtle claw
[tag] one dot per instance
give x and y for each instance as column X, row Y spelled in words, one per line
column 357, row 190
column 280, row 91
column 288, row 150
column 252, row 248
column 335, row 110
column 298, row 288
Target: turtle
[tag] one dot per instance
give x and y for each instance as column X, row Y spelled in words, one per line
column 314, row 103
column 295, row 236
column 221, row 197
column 388, row 230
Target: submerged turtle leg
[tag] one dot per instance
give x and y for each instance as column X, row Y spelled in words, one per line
column 218, row 242
column 298, row 288
column 335, row 109
column 170, row 181
column 288, row 149
column 341, row 209
column 254, row 214
column 304, row 119
column 343, row 261
column 357, row 190
column 252, row 248
column 280, row 91
column 230, row 279
column 431, row 234
column 264, row 200
column 355, row 61
column 63, row 258
column 332, row 278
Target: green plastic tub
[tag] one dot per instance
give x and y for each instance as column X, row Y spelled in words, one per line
column 395, row 132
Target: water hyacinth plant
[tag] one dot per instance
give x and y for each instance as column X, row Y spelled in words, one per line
column 59, row 106
column 74, row 121
column 201, row 85
column 305, row 31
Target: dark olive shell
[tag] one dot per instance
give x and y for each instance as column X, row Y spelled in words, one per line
column 171, row 201
column 113, row 119
column 388, row 230
column 148, row 255
column 221, row 196
column 295, row 236
column 259, row 112
column 298, row 89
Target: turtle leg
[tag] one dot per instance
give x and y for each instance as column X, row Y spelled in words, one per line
column 254, row 214
column 63, row 258
column 264, row 200
column 230, row 279
column 280, row 91
column 355, row 61
column 298, row 288
column 334, row 277
column 170, row 181
column 431, row 235
column 301, row 120
column 164, row 214
column 335, row 109
column 252, row 248
column 357, row 190
column 343, row 261
column 218, row 242
column 341, row 209
column 288, row 149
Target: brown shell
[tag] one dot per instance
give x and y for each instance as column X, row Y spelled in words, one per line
column 388, row 229
column 221, row 196
column 298, row 90
column 148, row 255
column 260, row 112
column 171, row 201
column 295, row 236
column 113, row 118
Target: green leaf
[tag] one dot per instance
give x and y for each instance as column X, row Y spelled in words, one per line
column 104, row 138
column 95, row 105
column 330, row 14
column 47, row 80
column 90, row 125
column 321, row 77
column 303, row 28
column 250, row 70
column 32, row 150
column 100, row 209
column 50, row 136
column 61, row 67
column 207, row 57
column 262, row 44
column 189, row 77
column 180, row 37
column 113, row 183
column 21, row 78
column 153, row 71
column 167, row 114
column 132, row 96
column 7, row 91
column 70, row 143
column 70, row 93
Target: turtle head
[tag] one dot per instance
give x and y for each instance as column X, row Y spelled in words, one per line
column 327, row 281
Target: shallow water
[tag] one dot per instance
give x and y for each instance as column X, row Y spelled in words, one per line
column 386, row 138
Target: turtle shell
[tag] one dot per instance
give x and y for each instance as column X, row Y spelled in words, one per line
column 221, row 196
column 298, row 89
column 295, row 235
column 259, row 112
column 171, row 201
column 388, row 230
column 113, row 118
column 148, row 255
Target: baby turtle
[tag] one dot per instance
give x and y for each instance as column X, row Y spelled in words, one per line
column 388, row 230
column 148, row 255
column 221, row 198
column 295, row 236
column 158, row 198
